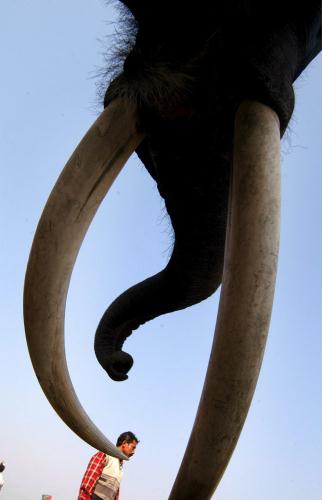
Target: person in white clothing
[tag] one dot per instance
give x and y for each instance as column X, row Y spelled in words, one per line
column 2, row 468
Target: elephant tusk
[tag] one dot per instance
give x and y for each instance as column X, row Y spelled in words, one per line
column 246, row 300
column 81, row 187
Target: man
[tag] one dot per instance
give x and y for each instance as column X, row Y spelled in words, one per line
column 103, row 475
column 2, row 468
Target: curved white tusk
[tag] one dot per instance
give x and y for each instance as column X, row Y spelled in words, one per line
column 68, row 213
column 245, row 304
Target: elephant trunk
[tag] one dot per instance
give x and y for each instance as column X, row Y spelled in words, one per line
column 192, row 274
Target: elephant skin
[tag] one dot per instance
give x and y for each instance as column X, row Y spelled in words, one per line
column 188, row 70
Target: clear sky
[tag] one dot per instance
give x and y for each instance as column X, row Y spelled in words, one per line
column 50, row 53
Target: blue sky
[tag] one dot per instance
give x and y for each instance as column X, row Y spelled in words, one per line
column 50, row 53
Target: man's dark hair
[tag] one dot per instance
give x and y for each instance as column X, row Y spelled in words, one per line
column 2, row 467
column 126, row 437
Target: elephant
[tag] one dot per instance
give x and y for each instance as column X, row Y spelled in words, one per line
column 203, row 95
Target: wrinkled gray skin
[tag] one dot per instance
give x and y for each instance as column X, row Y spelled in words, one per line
column 188, row 71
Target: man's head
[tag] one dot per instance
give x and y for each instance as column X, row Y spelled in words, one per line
column 127, row 443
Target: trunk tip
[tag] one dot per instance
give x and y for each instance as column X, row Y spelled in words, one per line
column 117, row 365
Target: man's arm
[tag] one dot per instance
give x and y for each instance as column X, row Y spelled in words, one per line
column 91, row 476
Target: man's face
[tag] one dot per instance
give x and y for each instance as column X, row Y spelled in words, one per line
column 129, row 448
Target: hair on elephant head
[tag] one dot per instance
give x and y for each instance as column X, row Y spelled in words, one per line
column 188, row 70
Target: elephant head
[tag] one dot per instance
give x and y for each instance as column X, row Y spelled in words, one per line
column 203, row 97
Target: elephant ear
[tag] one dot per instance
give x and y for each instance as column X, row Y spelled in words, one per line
column 68, row 213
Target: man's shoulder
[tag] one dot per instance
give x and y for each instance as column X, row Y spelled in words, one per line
column 99, row 454
column 98, row 457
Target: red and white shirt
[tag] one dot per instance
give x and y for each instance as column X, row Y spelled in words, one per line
column 100, row 463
